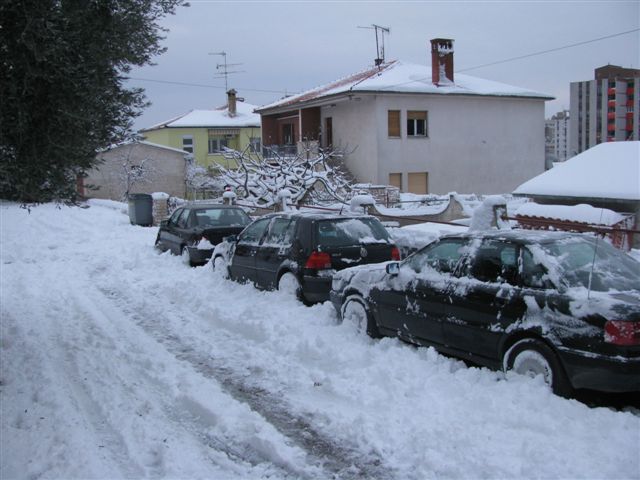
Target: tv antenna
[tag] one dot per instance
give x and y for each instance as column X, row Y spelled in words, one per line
column 379, row 41
column 224, row 67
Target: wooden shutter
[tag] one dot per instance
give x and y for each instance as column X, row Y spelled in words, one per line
column 418, row 183
column 395, row 179
column 394, row 123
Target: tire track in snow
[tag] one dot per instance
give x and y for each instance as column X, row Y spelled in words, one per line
column 339, row 460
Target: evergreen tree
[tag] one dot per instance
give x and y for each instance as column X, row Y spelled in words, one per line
column 62, row 93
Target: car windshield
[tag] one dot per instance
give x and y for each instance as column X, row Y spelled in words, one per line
column 221, row 217
column 574, row 260
column 351, row 231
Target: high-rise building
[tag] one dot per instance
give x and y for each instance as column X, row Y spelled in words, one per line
column 605, row 109
column 556, row 132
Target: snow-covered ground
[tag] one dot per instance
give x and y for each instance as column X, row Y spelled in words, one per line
column 119, row 362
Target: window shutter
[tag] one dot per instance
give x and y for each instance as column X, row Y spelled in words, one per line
column 394, row 123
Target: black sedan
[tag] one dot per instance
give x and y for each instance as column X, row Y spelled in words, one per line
column 299, row 252
column 565, row 306
column 194, row 229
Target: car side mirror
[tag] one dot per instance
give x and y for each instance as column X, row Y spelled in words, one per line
column 393, row 268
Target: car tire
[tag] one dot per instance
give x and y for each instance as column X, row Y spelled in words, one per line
column 220, row 266
column 533, row 357
column 290, row 284
column 354, row 309
column 186, row 257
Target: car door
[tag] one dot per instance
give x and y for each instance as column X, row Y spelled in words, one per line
column 170, row 236
column 484, row 300
column 413, row 303
column 242, row 265
column 274, row 250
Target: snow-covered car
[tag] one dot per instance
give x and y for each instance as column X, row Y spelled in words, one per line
column 194, row 229
column 566, row 306
column 300, row 252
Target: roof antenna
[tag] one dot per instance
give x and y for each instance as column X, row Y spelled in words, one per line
column 225, row 69
column 593, row 262
column 379, row 44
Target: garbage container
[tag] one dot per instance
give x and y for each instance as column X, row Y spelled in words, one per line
column 141, row 209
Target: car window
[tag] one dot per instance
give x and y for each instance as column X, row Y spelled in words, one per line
column 182, row 220
column 350, row 231
column 175, row 216
column 443, row 256
column 254, row 232
column 533, row 274
column 280, row 232
column 495, row 261
column 221, row 217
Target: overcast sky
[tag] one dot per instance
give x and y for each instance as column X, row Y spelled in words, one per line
column 291, row 46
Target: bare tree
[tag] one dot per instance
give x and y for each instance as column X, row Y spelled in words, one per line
column 134, row 172
column 258, row 180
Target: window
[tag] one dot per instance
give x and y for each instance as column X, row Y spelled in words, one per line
column 496, row 261
column 217, row 144
column 255, row 144
column 281, row 232
column 393, row 121
column 187, row 143
column 416, row 123
column 253, row 233
column 442, row 257
column 395, row 179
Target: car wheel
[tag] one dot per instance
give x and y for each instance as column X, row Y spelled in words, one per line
column 533, row 357
column 220, row 266
column 186, row 257
column 289, row 284
column 354, row 309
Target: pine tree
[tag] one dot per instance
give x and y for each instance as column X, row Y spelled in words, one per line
column 62, row 92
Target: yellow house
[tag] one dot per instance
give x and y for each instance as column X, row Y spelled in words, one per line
column 205, row 133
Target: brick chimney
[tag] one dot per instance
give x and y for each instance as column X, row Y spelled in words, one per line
column 441, row 61
column 231, row 102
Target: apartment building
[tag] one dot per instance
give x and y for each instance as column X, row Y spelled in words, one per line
column 605, row 109
column 556, row 134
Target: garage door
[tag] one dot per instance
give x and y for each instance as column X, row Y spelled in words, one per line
column 419, row 183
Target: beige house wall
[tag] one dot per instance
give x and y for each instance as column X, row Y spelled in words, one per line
column 167, row 172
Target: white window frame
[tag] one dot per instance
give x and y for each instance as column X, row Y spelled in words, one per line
column 188, row 145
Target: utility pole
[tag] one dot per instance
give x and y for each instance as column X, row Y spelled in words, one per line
column 225, row 69
column 379, row 60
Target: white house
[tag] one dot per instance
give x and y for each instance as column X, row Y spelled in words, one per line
column 420, row 128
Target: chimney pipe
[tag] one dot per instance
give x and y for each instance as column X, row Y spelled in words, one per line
column 441, row 61
column 231, row 102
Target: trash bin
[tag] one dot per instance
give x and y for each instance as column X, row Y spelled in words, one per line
column 141, row 209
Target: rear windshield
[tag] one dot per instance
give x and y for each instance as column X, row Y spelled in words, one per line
column 351, row 231
column 221, row 217
column 584, row 261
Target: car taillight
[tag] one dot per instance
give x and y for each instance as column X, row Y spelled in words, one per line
column 318, row 261
column 619, row 332
column 395, row 254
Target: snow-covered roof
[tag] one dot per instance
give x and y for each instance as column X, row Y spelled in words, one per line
column 582, row 213
column 218, row 117
column 608, row 170
column 403, row 77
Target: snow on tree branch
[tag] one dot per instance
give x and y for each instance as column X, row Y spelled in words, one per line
column 259, row 180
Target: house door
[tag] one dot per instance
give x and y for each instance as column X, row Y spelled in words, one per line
column 418, row 182
column 287, row 134
column 328, row 131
